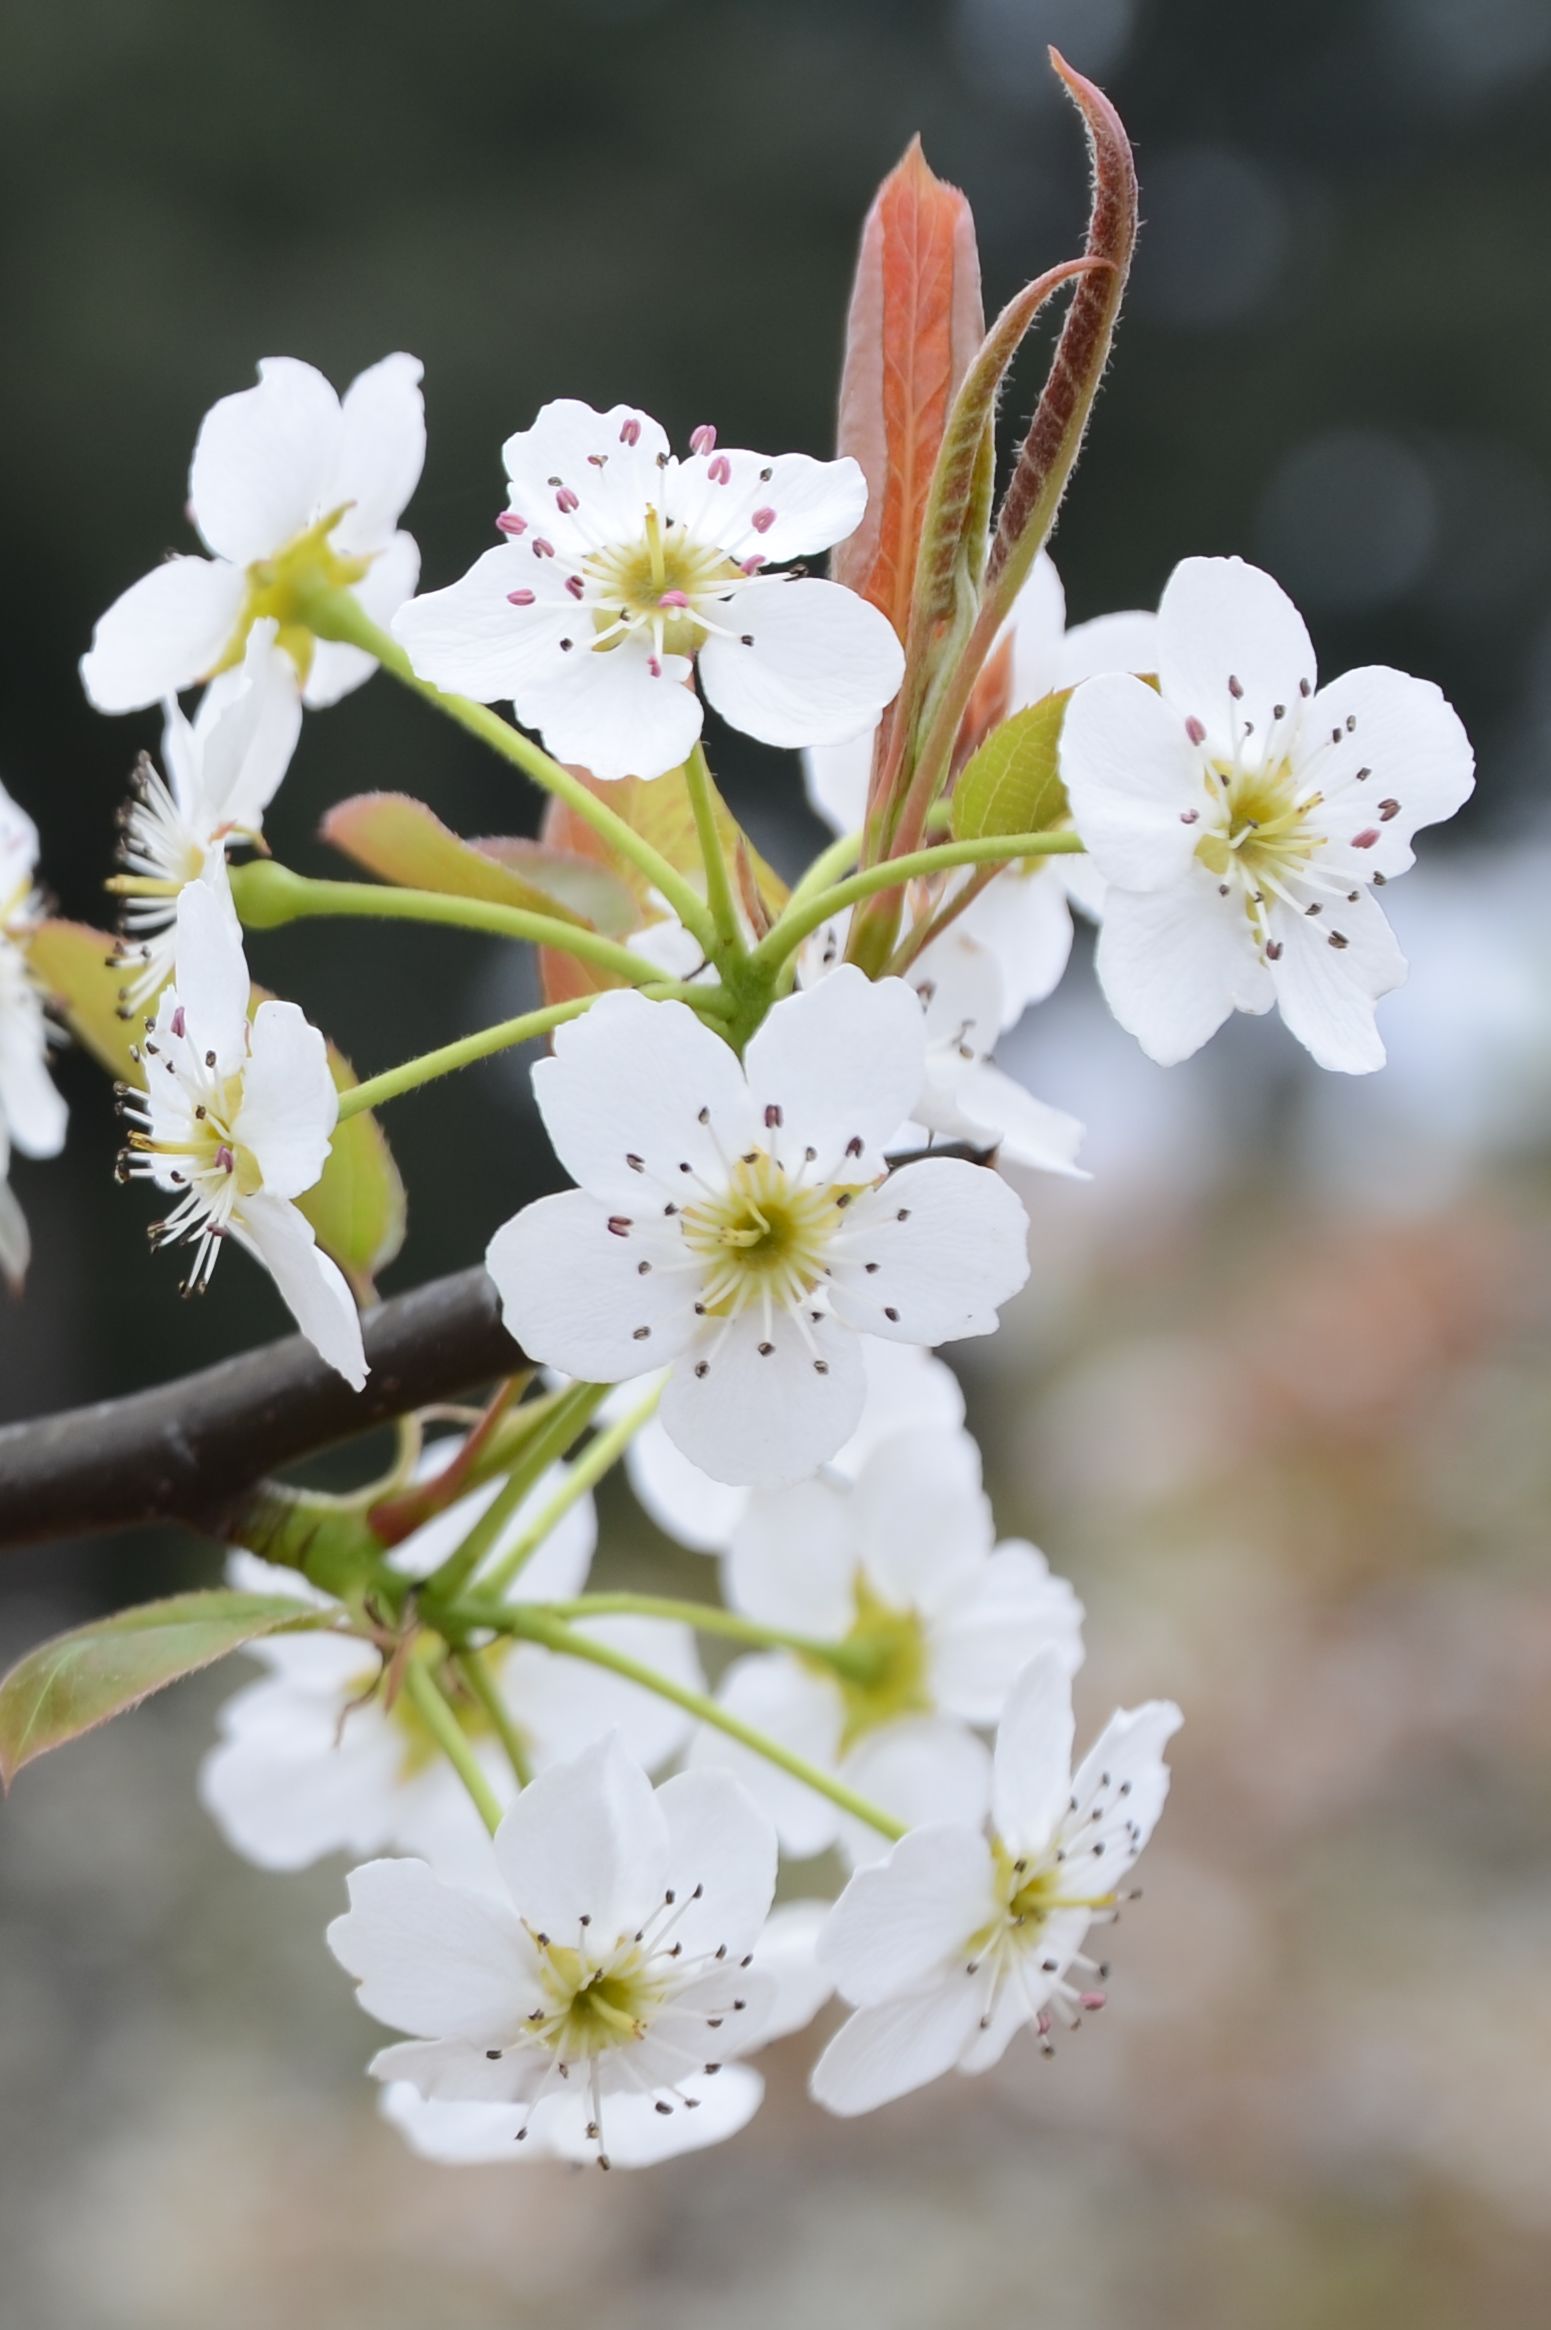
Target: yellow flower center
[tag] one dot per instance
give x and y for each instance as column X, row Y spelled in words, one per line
column 278, row 588
column 886, row 1677
column 1264, row 828
column 762, row 1236
column 593, row 2008
column 655, row 582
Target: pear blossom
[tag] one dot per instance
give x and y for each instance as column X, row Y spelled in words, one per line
column 624, row 568
column 32, row 1113
column 223, row 768
column 1024, row 916
column 235, row 1121
column 291, row 487
column 608, row 1988
column 465, row 2134
column 902, row 1571
column 1243, row 817
column 906, row 1390
column 738, row 1222
column 319, row 1755
column 963, row 1936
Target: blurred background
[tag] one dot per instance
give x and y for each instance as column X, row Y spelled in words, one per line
column 1279, row 1396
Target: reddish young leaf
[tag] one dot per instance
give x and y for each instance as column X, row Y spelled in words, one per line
column 915, row 322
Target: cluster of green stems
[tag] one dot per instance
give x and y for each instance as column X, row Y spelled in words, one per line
column 465, row 1606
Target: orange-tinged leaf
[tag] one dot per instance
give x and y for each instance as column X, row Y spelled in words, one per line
column 915, row 322
column 401, row 840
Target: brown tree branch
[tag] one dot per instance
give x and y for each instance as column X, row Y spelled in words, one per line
column 194, row 1450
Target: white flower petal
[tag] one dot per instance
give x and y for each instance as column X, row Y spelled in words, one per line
column 618, row 711
column 586, row 1839
column 793, row 1559
column 684, row 1501
column 574, row 1296
column 461, row 2071
column 1126, row 642
column 563, row 1705
column 633, row 1079
column 997, row 1113
column 1135, row 781
column 1037, row 624
column 263, row 460
column 32, row 1112
column 921, row 1518
column 471, row 639
column 801, row 1711
column 211, row 975
column 949, row 1242
column 165, row 632
column 637, row 2135
column 836, row 777
column 834, row 1071
column 800, row 505
column 905, row 1918
column 227, row 767
column 381, row 452
column 770, row 1405
column 312, row 1286
column 382, row 591
column 1003, row 1617
column 820, row 662
column 923, row 1769
column 289, row 1104
column 610, row 461
column 885, row 2051
column 1390, row 755
column 788, row 1953
column 1331, row 972
column 1129, row 1751
column 1221, row 619
column 432, row 1961
column 1031, row 1769
column 457, row 2135
column 721, row 1841
column 1175, row 963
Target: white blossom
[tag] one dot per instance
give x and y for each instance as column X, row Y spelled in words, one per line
column 291, row 486
column 15, row 1238
column 222, row 769
column 235, row 1122
column 738, row 1221
column 901, row 1569
column 323, row 1755
column 1242, row 817
column 961, row 1938
column 906, row 1390
column 608, row 1988
column 32, row 1113
column 1024, row 916
column 463, row 2134
column 626, row 568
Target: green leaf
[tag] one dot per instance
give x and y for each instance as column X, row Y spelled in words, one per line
column 401, row 840
column 70, row 1685
column 1013, row 783
column 357, row 1208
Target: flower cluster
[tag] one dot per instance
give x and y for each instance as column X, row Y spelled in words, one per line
column 796, row 1172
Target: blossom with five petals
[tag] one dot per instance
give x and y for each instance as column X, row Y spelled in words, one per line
column 323, row 1755
column 613, row 1977
column 222, row 770
column 291, row 487
column 625, row 567
column 1242, row 817
column 235, row 1122
column 961, row 1938
column 739, row 1223
column 902, row 1570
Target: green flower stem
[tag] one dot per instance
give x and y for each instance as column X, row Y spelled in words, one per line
column 422, row 1688
column 267, row 895
column 339, row 615
column 826, row 868
column 795, row 924
column 532, row 1625
column 569, row 1417
column 477, row 1678
column 410, row 1074
column 858, row 1661
column 718, row 881
column 602, row 1452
